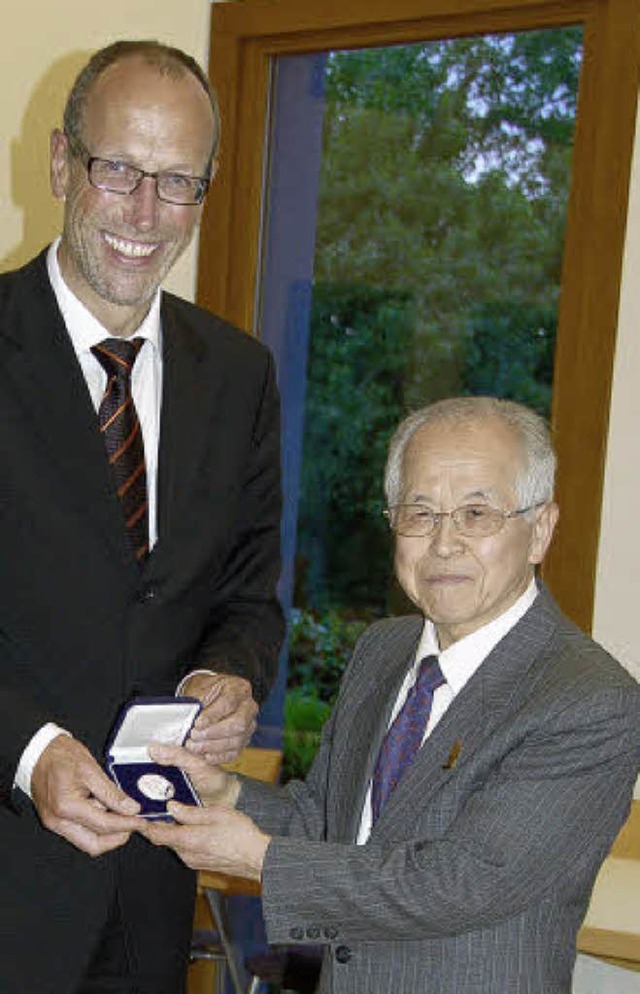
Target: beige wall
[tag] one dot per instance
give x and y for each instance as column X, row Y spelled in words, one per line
column 617, row 608
column 47, row 44
column 616, row 622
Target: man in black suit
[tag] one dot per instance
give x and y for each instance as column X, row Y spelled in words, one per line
column 98, row 606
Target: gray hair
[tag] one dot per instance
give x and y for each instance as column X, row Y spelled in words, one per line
column 534, row 482
column 169, row 61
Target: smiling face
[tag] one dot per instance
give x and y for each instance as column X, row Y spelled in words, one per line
column 462, row 583
column 116, row 249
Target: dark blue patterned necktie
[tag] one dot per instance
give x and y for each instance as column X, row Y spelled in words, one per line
column 405, row 735
column 120, row 429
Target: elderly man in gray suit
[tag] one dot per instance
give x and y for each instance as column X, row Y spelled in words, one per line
column 449, row 832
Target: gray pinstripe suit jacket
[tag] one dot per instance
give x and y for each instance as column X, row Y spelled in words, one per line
column 477, row 875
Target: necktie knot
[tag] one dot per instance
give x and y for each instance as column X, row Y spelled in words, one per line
column 117, row 355
column 430, row 676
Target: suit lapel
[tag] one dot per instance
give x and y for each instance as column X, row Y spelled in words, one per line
column 190, row 381
column 385, row 673
column 494, row 692
column 47, row 381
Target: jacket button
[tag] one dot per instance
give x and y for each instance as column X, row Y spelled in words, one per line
column 313, row 932
column 343, row 954
column 146, row 595
column 331, row 932
column 296, row 933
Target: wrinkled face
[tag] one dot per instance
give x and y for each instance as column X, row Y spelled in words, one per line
column 116, row 249
column 463, row 583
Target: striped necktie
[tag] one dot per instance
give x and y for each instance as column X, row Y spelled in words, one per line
column 405, row 735
column 120, row 428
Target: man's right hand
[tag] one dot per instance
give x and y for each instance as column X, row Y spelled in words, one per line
column 75, row 799
column 213, row 785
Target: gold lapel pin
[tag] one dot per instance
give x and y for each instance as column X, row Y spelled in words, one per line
column 453, row 755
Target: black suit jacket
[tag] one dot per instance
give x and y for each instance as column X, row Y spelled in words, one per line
column 83, row 628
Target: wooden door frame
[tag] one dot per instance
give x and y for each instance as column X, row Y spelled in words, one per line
column 246, row 35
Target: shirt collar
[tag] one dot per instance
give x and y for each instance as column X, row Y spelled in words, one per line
column 460, row 661
column 84, row 329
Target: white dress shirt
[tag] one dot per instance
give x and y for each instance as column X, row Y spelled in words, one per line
column 458, row 664
column 146, row 386
column 85, row 331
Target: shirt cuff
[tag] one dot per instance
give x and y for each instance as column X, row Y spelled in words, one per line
column 32, row 754
column 180, row 687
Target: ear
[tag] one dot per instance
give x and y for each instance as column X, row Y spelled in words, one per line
column 543, row 528
column 59, row 164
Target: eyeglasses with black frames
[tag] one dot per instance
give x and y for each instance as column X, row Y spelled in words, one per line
column 115, row 176
column 471, row 520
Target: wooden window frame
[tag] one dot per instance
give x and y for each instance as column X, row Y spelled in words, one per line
column 246, row 35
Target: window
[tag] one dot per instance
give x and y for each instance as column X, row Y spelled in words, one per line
column 248, row 36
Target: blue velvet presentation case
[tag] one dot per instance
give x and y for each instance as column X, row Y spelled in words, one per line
column 142, row 721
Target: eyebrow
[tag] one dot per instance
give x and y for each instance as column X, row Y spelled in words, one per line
column 474, row 495
column 128, row 159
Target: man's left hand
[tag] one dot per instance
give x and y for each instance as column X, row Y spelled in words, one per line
column 228, row 718
column 219, row 839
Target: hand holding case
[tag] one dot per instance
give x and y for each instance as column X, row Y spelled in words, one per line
column 142, row 721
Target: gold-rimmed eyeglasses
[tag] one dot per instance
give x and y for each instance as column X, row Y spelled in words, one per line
column 471, row 520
